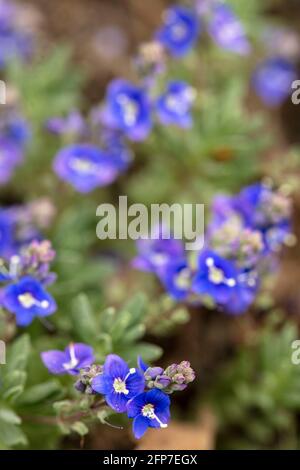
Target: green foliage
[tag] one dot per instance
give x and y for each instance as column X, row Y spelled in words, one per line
column 257, row 397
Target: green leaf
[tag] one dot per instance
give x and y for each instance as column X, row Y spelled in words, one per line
column 84, row 321
column 18, row 353
column 9, row 416
column 39, row 393
column 11, row 435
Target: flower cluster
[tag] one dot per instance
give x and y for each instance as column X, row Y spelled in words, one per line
column 142, row 392
column 25, row 278
column 14, row 40
column 14, row 134
column 20, row 225
column 243, row 238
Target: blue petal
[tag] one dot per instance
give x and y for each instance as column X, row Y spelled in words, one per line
column 101, row 384
column 140, row 426
column 142, row 365
column 115, row 366
column 135, row 405
column 135, row 384
column 117, row 401
column 54, row 361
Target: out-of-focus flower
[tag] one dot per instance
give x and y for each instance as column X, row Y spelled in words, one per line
column 6, row 233
column 72, row 125
column 42, row 212
column 14, row 128
column 85, row 167
column 14, row 42
column 174, row 106
column 127, row 108
column 176, row 278
column 150, row 60
column 70, row 361
column 158, row 251
column 215, row 277
column 272, row 80
column 180, row 30
column 27, row 299
column 227, row 31
column 10, row 157
column 118, row 383
column 282, row 41
column 149, row 409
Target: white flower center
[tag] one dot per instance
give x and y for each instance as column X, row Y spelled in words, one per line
column 27, row 301
column 119, row 384
column 74, row 361
column 82, row 166
column 129, row 108
column 148, row 412
column 217, row 276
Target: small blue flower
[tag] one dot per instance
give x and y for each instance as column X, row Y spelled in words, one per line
column 10, row 157
column 70, row 361
column 227, row 31
column 180, row 30
column 272, row 80
column 118, row 383
column 6, row 234
column 157, row 252
column 176, row 278
column 127, row 109
column 243, row 295
column 27, row 299
column 215, row 277
column 71, row 125
column 149, row 410
column 174, row 106
column 85, row 167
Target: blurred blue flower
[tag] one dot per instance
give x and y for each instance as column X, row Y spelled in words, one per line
column 6, row 233
column 176, row 278
column 272, row 80
column 72, row 125
column 174, row 106
column 70, row 361
column 10, row 157
column 149, row 409
column 27, row 299
column 157, row 252
column 118, row 383
column 180, row 30
column 86, row 167
column 215, row 277
column 127, row 108
column 227, row 31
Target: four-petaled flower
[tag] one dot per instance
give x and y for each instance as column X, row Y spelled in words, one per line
column 118, row 383
column 149, row 409
column 272, row 80
column 70, row 361
column 27, row 299
column 215, row 277
column 174, row 106
column 180, row 30
column 85, row 166
column 127, row 109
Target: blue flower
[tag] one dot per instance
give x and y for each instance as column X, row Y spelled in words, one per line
column 70, row 361
column 174, row 106
column 272, row 80
column 71, row 125
column 149, row 409
column 127, row 108
column 6, row 234
column 243, row 295
column 85, row 166
column 157, row 252
column 10, row 157
column 27, row 299
column 227, row 31
column 15, row 129
column 118, row 383
column 176, row 278
column 215, row 277
column 180, row 30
